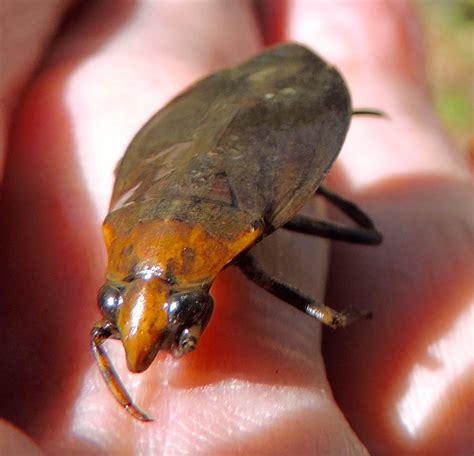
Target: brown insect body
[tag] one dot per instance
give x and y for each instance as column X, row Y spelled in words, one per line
column 220, row 167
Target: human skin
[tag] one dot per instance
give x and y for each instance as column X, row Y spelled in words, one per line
column 257, row 383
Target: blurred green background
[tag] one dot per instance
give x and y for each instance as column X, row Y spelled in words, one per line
column 449, row 38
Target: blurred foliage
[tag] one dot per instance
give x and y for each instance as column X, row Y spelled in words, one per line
column 449, row 35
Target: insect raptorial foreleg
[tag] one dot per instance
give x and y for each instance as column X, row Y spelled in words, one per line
column 365, row 233
column 330, row 317
column 99, row 334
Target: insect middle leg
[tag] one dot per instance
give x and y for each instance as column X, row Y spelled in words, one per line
column 365, row 233
column 291, row 295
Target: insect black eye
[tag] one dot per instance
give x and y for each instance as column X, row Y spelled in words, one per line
column 186, row 309
column 109, row 300
column 188, row 315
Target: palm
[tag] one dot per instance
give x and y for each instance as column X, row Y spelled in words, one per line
column 257, row 383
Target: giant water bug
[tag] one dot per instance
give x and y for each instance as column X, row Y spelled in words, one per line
column 220, row 167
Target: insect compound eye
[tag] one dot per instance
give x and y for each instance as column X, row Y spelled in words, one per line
column 109, row 300
column 189, row 309
column 188, row 315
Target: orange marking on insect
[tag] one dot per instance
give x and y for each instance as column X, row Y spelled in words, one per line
column 186, row 254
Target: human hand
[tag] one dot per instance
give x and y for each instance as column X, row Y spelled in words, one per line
column 256, row 384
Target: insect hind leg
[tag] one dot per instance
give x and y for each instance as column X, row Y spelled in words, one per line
column 291, row 295
column 369, row 112
column 365, row 233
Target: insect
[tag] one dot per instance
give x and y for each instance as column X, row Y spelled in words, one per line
column 222, row 166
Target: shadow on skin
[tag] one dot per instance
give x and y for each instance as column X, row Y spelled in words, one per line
column 400, row 363
column 53, row 258
column 52, row 252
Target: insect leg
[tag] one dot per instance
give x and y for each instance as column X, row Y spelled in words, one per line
column 99, row 334
column 291, row 295
column 369, row 112
column 365, row 233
